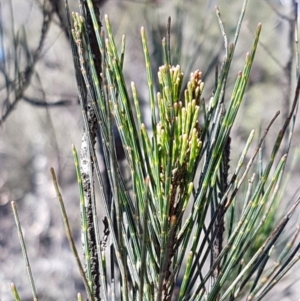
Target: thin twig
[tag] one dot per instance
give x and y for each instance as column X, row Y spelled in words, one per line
column 23, row 79
column 69, row 234
column 23, row 246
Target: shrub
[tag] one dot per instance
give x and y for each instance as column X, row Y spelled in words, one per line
column 191, row 224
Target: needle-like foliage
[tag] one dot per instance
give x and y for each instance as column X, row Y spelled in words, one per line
column 191, row 225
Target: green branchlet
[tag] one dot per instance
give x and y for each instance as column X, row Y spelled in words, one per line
column 184, row 227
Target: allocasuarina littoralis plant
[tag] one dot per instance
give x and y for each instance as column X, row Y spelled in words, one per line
column 174, row 232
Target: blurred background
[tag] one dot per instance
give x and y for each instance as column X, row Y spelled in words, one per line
column 40, row 115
